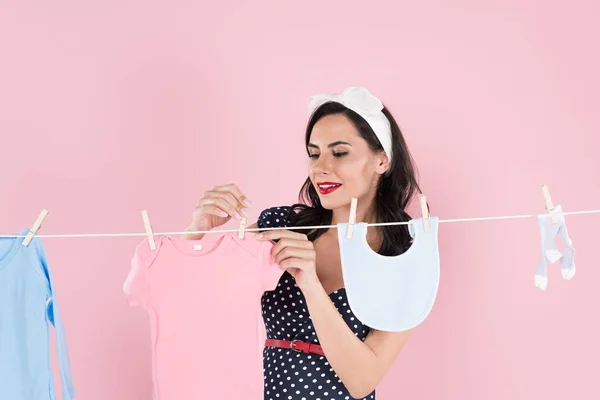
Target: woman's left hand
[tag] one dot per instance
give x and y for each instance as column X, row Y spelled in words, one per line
column 294, row 253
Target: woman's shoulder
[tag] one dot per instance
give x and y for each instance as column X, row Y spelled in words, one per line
column 275, row 217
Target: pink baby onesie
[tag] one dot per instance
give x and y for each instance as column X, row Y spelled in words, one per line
column 203, row 300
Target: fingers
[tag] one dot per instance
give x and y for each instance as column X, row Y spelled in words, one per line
column 210, row 209
column 280, row 234
column 286, row 255
column 225, row 198
column 292, row 252
column 289, row 245
column 292, row 265
column 219, row 203
column 233, row 189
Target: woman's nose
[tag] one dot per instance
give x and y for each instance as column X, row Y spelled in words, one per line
column 322, row 166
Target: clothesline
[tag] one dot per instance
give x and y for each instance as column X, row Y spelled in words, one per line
column 299, row 227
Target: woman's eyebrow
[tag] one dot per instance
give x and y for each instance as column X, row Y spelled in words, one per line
column 333, row 144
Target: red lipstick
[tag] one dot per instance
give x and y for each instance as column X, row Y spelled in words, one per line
column 327, row 187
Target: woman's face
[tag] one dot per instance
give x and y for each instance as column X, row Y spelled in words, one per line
column 341, row 164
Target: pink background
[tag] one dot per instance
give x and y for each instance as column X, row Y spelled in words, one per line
column 108, row 108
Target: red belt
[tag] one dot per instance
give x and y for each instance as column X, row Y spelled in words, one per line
column 296, row 345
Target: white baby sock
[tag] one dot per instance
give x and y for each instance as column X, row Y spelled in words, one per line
column 550, row 252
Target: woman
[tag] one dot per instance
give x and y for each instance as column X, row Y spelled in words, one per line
column 316, row 347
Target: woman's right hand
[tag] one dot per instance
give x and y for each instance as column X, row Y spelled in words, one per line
column 217, row 206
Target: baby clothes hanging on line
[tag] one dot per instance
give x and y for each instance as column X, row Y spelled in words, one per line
column 391, row 293
column 203, row 299
column 27, row 304
column 550, row 253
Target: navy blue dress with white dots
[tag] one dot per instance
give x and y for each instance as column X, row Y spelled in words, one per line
column 288, row 374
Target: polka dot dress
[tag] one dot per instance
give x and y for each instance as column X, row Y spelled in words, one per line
column 289, row 374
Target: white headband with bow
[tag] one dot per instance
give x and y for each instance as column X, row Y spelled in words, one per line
column 361, row 101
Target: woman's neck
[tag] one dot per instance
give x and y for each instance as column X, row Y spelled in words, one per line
column 364, row 213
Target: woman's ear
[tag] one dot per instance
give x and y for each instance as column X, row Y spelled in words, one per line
column 383, row 163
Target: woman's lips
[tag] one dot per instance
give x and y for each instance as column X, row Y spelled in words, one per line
column 327, row 187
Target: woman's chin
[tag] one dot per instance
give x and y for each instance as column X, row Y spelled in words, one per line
column 330, row 202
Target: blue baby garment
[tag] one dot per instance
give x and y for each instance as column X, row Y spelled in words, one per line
column 28, row 306
column 391, row 293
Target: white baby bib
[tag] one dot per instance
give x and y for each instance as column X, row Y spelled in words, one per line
column 391, row 293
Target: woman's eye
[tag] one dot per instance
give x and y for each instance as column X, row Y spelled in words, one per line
column 336, row 154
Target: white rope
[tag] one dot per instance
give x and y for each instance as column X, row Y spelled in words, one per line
column 299, row 227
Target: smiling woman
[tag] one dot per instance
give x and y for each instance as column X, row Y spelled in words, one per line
column 349, row 146
column 316, row 348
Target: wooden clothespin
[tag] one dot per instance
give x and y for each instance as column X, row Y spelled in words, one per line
column 36, row 226
column 424, row 211
column 548, row 203
column 352, row 217
column 148, row 228
column 242, row 228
